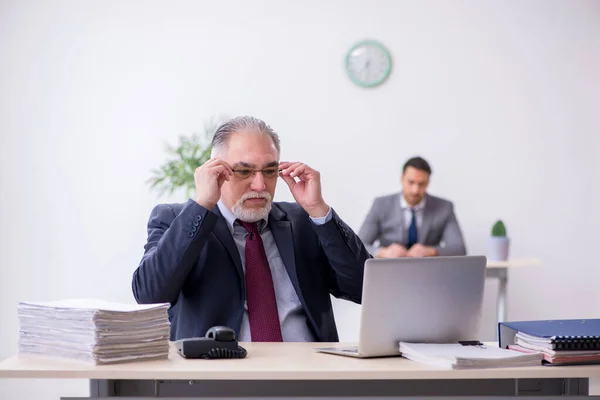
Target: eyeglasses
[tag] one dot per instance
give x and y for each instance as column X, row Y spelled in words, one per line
column 268, row 173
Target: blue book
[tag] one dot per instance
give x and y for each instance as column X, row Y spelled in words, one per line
column 565, row 334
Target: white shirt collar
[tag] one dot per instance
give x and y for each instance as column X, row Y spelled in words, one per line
column 230, row 218
column 420, row 205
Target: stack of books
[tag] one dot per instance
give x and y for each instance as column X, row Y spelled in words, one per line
column 94, row 331
column 561, row 342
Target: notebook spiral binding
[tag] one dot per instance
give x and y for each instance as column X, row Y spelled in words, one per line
column 576, row 342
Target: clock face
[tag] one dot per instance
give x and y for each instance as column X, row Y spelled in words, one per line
column 368, row 63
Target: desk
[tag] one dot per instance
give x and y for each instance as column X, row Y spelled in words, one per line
column 294, row 369
column 499, row 270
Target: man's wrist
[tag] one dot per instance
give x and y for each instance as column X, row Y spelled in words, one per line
column 204, row 204
column 319, row 211
column 321, row 220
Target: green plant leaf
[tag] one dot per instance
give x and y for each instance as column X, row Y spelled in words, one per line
column 499, row 230
column 190, row 152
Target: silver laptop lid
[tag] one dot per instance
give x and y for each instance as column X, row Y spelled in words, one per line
column 432, row 299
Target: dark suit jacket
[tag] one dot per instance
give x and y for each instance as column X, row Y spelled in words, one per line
column 191, row 261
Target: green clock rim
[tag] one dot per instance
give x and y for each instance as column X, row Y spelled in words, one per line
column 388, row 70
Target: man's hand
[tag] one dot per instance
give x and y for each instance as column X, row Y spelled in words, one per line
column 418, row 250
column 307, row 190
column 209, row 179
column 394, row 250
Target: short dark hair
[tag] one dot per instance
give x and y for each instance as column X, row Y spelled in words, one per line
column 418, row 163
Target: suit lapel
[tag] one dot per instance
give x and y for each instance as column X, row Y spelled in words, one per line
column 281, row 228
column 284, row 239
column 427, row 220
column 222, row 232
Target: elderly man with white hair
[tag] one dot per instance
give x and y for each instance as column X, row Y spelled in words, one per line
column 233, row 257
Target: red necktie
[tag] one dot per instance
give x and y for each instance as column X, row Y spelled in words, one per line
column 260, row 293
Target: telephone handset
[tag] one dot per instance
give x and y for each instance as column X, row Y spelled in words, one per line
column 219, row 342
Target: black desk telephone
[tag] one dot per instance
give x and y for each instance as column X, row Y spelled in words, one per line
column 219, row 342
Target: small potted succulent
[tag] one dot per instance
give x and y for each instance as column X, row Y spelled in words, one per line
column 498, row 243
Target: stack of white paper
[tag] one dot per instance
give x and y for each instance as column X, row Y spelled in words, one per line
column 457, row 356
column 94, row 331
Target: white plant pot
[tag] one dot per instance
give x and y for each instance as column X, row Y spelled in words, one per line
column 498, row 248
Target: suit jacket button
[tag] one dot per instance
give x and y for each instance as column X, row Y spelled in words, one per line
column 190, row 234
column 193, row 229
column 198, row 217
column 196, row 223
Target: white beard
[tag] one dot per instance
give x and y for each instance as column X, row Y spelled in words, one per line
column 252, row 214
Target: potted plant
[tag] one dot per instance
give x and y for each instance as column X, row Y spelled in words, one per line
column 177, row 172
column 498, row 243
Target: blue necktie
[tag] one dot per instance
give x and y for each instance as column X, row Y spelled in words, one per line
column 412, row 230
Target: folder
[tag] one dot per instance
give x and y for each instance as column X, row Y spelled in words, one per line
column 566, row 334
column 562, row 342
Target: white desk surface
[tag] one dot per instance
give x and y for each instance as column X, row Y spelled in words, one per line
column 274, row 361
column 514, row 263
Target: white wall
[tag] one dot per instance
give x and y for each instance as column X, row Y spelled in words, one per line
column 501, row 97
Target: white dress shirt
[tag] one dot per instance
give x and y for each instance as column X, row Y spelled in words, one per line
column 419, row 210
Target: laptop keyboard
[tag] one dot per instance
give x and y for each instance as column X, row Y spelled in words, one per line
column 350, row 349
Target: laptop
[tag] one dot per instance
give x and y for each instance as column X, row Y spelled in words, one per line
column 423, row 300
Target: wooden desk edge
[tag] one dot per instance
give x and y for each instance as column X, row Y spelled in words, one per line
column 299, row 361
column 500, row 373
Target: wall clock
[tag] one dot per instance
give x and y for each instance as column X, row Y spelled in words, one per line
column 368, row 63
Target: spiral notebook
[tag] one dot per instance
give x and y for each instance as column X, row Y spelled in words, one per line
column 567, row 334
